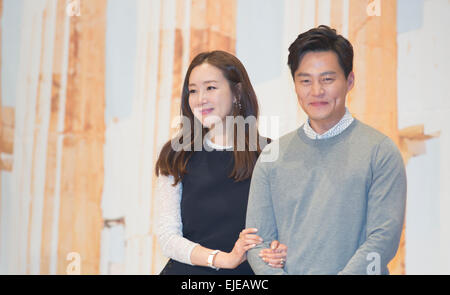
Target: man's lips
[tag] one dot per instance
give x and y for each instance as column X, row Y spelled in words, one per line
column 318, row 103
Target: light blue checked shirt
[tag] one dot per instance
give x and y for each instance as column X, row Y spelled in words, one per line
column 346, row 120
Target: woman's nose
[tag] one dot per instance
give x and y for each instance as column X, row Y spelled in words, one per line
column 203, row 97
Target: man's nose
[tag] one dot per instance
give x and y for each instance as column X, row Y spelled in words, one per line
column 317, row 89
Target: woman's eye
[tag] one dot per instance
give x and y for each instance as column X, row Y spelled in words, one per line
column 211, row 88
column 192, row 91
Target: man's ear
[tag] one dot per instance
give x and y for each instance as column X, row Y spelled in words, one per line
column 350, row 81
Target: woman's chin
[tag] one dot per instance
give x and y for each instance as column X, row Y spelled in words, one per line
column 210, row 121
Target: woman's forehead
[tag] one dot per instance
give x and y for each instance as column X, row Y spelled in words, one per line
column 204, row 73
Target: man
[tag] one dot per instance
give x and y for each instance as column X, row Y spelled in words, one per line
column 336, row 194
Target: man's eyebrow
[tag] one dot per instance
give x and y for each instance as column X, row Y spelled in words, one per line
column 328, row 73
column 301, row 74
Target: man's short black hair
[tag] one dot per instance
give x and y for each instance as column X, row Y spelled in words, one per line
column 322, row 38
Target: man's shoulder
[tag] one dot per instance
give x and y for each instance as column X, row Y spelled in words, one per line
column 368, row 134
column 375, row 140
column 284, row 141
column 274, row 152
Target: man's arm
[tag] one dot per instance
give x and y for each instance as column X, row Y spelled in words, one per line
column 260, row 215
column 386, row 203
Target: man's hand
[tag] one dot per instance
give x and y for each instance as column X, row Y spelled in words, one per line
column 275, row 256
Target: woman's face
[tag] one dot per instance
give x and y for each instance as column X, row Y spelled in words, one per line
column 210, row 96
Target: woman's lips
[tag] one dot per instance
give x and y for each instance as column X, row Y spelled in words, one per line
column 206, row 111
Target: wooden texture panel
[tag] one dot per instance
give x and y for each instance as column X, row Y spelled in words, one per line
column 180, row 51
column 374, row 98
column 213, row 26
column 1, row 108
column 53, row 137
column 336, row 19
column 80, row 221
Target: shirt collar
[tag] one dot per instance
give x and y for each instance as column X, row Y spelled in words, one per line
column 337, row 129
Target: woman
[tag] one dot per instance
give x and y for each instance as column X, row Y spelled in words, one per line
column 203, row 182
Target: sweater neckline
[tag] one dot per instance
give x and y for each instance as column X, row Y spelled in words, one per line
column 216, row 146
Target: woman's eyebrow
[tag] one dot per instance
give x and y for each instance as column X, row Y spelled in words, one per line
column 209, row 81
column 205, row 82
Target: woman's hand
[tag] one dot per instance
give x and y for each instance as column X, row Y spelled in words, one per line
column 247, row 240
column 275, row 256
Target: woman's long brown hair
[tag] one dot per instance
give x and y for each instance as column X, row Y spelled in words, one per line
column 171, row 162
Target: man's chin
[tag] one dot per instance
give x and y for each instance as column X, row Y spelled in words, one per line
column 317, row 117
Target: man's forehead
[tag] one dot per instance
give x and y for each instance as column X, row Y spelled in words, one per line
column 322, row 62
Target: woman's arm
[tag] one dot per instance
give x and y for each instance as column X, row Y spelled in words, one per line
column 168, row 221
column 247, row 240
column 175, row 246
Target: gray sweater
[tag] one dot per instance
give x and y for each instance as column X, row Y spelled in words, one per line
column 337, row 203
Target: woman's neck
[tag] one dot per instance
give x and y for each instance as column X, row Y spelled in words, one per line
column 220, row 137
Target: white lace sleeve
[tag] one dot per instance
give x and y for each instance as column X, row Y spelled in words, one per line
column 168, row 221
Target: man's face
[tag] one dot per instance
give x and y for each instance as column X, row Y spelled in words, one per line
column 321, row 88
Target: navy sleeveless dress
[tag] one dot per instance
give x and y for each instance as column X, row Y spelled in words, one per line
column 213, row 210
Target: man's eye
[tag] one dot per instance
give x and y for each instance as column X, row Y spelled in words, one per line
column 210, row 88
column 305, row 81
column 328, row 80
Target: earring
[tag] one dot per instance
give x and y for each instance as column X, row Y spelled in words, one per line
column 237, row 102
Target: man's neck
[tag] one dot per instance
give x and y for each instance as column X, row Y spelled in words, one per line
column 320, row 127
